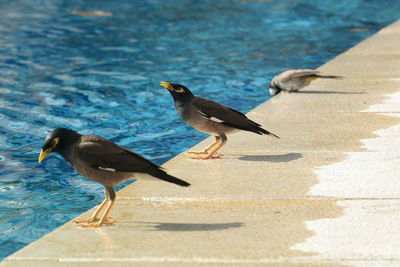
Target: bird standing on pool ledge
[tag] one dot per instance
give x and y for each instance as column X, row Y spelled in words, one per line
column 294, row 80
column 210, row 117
column 104, row 162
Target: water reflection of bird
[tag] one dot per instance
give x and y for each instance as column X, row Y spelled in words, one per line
column 294, row 80
column 104, row 162
column 210, row 117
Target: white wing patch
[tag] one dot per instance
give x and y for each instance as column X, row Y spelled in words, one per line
column 203, row 114
column 210, row 118
column 107, row 169
column 216, row 120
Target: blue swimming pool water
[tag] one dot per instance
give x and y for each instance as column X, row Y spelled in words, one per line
column 100, row 75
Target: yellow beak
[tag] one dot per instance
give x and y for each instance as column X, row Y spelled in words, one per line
column 43, row 154
column 167, row 85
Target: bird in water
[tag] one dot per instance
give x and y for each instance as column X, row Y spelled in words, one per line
column 294, row 80
column 104, row 162
column 210, row 117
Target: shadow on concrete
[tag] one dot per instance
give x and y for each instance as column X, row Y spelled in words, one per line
column 192, row 227
column 273, row 158
column 329, row 92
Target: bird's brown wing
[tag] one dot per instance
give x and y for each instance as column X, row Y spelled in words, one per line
column 294, row 74
column 225, row 115
column 100, row 153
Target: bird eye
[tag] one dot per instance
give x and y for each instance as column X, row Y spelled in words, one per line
column 55, row 142
column 180, row 90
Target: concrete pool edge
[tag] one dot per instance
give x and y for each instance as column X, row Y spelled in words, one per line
column 266, row 201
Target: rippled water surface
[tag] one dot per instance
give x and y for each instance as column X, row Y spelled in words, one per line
column 100, row 75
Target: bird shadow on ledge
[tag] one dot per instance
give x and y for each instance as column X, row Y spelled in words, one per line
column 189, row 227
column 330, row 92
column 273, row 158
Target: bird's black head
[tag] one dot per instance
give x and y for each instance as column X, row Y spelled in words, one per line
column 178, row 92
column 56, row 141
column 274, row 89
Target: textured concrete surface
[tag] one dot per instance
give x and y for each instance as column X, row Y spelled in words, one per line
column 326, row 194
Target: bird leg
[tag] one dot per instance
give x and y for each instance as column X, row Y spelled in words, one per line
column 205, row 150
column 110, row 197
column 104, row 219
column 95, row 214
column 212, row 154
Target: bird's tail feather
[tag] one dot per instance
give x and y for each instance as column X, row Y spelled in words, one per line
column 256, row 128
column 162, row 175
column 263, row 131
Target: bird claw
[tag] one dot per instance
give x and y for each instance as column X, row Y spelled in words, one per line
column 89, row 220
column 196, row 152
column 109, row 220
column 207, row 157
column 91, row 223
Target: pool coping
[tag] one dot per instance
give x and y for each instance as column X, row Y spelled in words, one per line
column 269, row 201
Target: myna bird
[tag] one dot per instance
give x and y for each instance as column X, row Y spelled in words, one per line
column 210, row 117
column 104, row 162
column 294, row 80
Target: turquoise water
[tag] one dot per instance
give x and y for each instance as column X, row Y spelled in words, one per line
column 101, row 74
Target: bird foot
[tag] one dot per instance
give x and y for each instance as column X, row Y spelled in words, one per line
column 209, row 156
column 196, row 152
column 89, row 220
column 108, row 221
column 93, row 224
